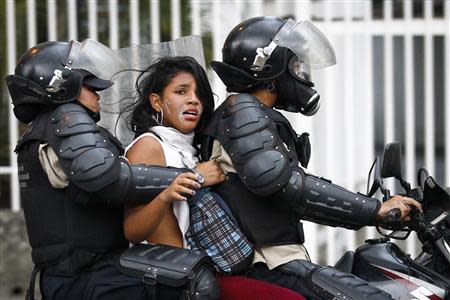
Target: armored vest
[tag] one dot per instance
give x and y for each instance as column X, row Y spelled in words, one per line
column 60, row 221
column 256, row 126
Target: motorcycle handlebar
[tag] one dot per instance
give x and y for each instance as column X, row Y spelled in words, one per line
column 393, row 216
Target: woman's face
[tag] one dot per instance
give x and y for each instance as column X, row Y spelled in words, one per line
column 179, row 102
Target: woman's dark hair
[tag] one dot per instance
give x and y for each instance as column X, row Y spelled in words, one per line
column 155, row 79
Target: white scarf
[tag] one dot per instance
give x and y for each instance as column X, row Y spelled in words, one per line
column 178, row 141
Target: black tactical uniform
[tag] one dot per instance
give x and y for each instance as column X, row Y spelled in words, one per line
column 270, row 192
column 76, row 229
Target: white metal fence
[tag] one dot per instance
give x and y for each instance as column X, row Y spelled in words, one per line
column 391, row 81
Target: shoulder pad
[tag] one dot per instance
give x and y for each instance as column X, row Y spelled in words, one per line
column 243, row 115
column 70, row 119
column 237, row 102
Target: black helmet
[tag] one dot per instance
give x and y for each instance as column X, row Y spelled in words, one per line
column 44, row 77
column 237, row 70
column 266, row 49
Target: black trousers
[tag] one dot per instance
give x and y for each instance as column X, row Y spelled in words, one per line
column 279, row 277
column 102, row 281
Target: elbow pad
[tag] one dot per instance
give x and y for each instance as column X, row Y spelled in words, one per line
column 139, row 183
column 321, row 201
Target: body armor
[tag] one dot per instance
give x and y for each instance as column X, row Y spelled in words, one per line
column 88, row 213
column 266, row 162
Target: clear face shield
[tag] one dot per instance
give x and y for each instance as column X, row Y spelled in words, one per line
column 96, row 58
column 305, row 40
column 117, row 101
column 139, row 57
column 91, row 56
column 312, row 51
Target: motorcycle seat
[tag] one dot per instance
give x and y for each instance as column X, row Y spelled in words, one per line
column 238, row 287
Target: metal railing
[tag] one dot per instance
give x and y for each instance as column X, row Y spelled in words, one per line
column 343, row 133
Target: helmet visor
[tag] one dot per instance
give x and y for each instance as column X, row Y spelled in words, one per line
column 307, row 42
column 96, row 58
column 299, row 69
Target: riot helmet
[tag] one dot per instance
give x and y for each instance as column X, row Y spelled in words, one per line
column 265, row 49
column 52, row 73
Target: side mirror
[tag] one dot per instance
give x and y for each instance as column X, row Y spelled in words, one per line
column 375, row 181
column 392, row 161
column 392, row 164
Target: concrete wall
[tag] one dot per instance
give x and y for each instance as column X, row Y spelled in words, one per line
column 15, row 258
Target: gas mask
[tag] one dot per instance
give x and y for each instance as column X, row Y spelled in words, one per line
column 267, row 49
column 295, row 89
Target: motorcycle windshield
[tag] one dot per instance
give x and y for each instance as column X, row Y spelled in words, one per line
column 93, row 56
column 307, row 42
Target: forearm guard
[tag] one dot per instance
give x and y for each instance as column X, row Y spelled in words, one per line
column 321, row 201
column 261, row 145
column 139, row 183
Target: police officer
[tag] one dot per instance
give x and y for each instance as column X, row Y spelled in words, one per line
column 266, row 64
column 73, row 179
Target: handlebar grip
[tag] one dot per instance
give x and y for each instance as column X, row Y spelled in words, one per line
column 393, row 216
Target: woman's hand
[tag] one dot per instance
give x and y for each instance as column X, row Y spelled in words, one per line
column 211, row 172
column 183, row 186
column 404, row 204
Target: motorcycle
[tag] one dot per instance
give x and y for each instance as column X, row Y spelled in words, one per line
column 382, row 263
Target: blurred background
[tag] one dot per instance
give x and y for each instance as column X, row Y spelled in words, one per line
column 391, row 82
